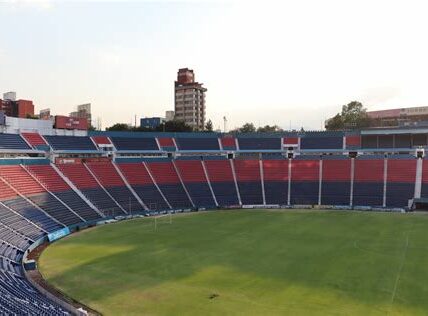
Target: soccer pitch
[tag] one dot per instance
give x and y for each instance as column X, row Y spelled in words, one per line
column 248, row 262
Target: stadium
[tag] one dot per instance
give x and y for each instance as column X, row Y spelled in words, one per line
column 297, row 223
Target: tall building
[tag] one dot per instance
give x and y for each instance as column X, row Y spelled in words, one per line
column 189, row 99
column 18, row 108
column 10, row 96
column 83, row 111
column 169, row 115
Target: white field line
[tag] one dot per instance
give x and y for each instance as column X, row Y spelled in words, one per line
column 397, row 280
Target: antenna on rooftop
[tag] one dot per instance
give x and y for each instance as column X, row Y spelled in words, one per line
column 224, row 123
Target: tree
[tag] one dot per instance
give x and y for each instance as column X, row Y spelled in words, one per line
column 247, row 128
column 353, row 116
column 335, row 123
column 118, row 127
column 209, row 126
column 269, row 129
column 174, row 126
column 30, row 116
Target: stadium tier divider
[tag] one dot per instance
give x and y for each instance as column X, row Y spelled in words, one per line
column 169, row 183
column 90, row 186
column 113, row 183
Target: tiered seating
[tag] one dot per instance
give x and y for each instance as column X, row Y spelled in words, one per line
column 249, row 181
column 353, row 141
column 304, row 180
column 228, row 143
column 166, row 143
column 193, row 175
column 55, row 184
column 25, row 209
column 19, row 223
column 85, row 182
column 137, row 176
column 368, row 181
column 35, row 140
column 14, row 239
column 206, row 143
column 403, row 141
column 275, row 175
column 401, row 178
column 321, row 142
column 259, row 143
column 26, row 185
column 17, row 297
column 101, row 140
column 135, row 143
column 290, row 141
column 109, row 178
column 70, row 142
column 336, row 180
column 168, row 181
column 12, row 141
column 222, row 182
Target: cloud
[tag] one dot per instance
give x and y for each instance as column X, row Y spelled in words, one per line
column 380, row 95
column 29, row 4
column 2, row 56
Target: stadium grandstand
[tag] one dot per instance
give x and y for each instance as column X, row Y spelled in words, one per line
column 53, row 185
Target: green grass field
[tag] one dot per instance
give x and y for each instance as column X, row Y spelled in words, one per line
column 255, row 262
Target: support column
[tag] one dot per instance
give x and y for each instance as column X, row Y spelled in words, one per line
column 385, row 180
column 320, row 183
column 289, row 182
column 262, row 180
column 351, row 194
column 418, row 181
column 209, row 182
column 232, row 166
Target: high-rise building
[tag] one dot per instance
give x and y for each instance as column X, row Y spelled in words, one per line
column 83, row 111
column 169, row 115
column 189, row 99
column 10, row 96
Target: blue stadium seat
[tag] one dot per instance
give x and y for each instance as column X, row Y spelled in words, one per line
column 225, row 193
column 135, row 143
column 197, row 143
column 200, row 194
column 12, row 141
column 276, row 192
column 175, row 195
column 320, row 142
column 150, row 195
column 29, row 211
column 102, row 201
column 70, row 142
column 259, row 143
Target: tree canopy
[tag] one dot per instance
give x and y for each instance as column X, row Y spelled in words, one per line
column 269, row 129
column 353, row 116
column 209, row 126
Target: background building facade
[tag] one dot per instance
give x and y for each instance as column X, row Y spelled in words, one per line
column 151, row 122
column 83, row 112
column 412, row 116
column 189, row 97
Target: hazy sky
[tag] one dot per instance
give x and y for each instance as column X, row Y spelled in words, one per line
column 288, row 62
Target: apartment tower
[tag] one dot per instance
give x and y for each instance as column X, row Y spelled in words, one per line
column 189, row 99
